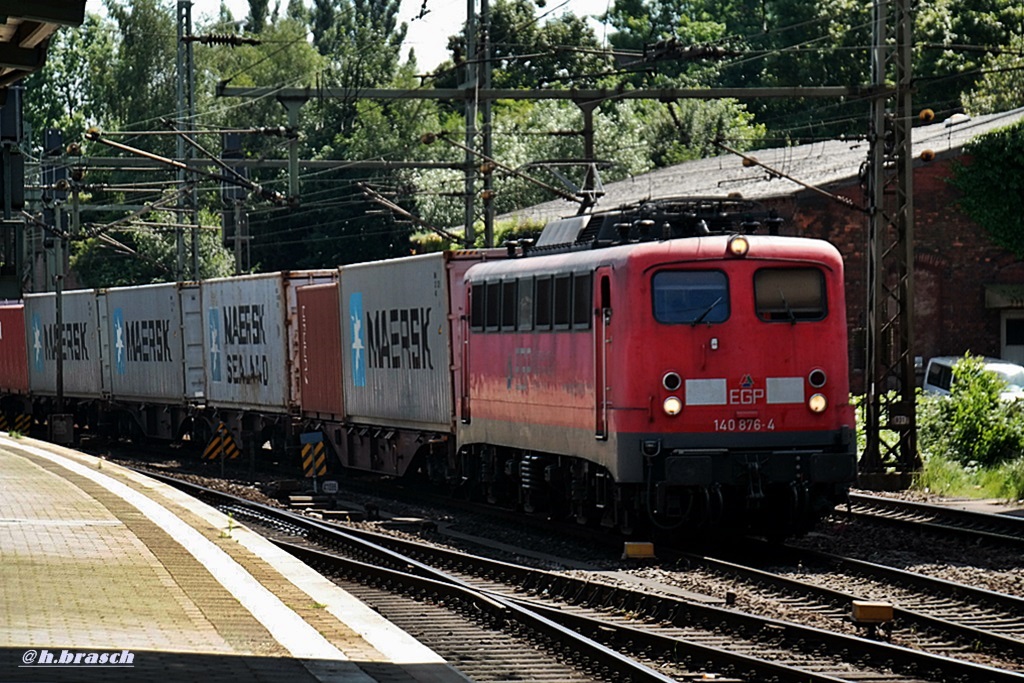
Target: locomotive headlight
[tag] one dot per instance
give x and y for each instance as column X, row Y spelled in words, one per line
column 672, row 405
column 738, row 245
column 817, row 403
column 672, row 381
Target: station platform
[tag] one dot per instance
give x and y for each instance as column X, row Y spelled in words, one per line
column 107, row 575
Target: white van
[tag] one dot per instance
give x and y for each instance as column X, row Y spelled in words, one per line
column 938, row 376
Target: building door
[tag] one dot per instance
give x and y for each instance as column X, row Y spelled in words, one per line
column 1011, row 345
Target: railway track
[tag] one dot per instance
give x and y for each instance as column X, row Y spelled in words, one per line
column 677, row 638
column 975, row 526
column 930, row 614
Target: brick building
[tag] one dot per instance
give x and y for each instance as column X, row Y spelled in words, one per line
column 969, row 293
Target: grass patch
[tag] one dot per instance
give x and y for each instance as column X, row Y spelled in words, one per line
column 945, row 477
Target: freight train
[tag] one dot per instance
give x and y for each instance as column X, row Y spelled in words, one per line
column 674, row 363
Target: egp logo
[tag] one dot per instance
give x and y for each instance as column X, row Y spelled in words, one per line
column 355, row 313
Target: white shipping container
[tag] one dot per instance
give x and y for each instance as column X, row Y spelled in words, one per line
column 79, row 337
column 396, row 342
column 249, row 348
column 143, row 346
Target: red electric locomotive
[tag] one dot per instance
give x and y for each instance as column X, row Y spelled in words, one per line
column 661, row 363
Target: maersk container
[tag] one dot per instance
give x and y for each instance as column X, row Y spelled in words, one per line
column 79, row 337
column 320, row 358
column 13, row 361
column 250, row 342
column 397, row 342
column 144, row 355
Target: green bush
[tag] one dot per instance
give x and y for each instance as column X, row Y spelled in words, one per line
column 972, row 426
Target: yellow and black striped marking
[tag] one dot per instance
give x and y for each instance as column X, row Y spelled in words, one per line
column 21, row 423
column 314, row 459
column 222, row 445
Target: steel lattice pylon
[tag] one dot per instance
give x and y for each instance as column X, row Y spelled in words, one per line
column 891, row 427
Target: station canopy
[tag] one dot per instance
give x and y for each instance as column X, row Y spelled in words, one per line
column 25, row 30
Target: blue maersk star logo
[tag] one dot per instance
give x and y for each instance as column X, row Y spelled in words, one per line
column 215, row 344
column 355, row 312
column 119, row 344
column 37, row 342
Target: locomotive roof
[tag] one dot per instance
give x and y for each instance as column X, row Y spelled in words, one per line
column 711, row 247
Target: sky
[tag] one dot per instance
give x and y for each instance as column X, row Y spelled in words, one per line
column 427, row 35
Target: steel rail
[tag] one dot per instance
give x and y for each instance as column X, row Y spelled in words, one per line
column 581, row 591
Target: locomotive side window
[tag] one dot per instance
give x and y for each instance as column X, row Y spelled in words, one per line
column 581, row 307
column 689, row 297
column 526, row 304
column 542, row 321
column 509, row 304
column 563, row 301
column 492, row 310
column 790, row 294
column 476, row 313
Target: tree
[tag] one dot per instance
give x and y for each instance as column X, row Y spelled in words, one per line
column 633, row 135
column 992, row 183
column 526, row 53
column 356, row 45
column 958, row 40
column 258, row 13
column 145, row 47
column 63, row 94
column 145, row 256
column 1001, row 88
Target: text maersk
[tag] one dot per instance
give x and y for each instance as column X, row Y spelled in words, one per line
column 399, row 338
column 244, row 327
column 148, row 340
